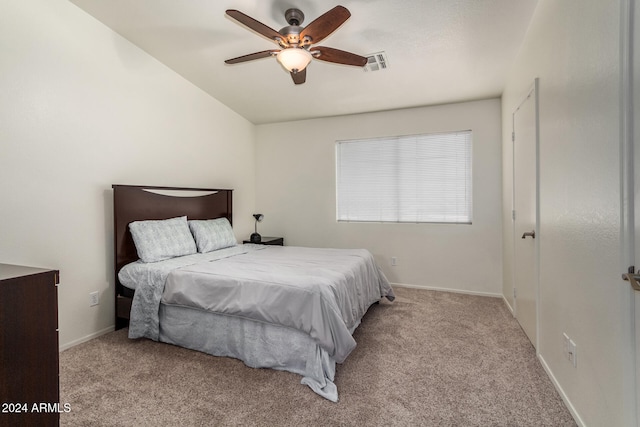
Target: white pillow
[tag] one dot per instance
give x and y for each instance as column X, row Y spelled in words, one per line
column 157, row 240
column 212, row 234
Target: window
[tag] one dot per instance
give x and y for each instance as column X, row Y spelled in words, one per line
column 416, row 178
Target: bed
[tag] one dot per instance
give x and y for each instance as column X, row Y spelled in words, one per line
column 279, row 307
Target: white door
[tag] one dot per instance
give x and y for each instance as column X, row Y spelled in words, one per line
column 631, row 150
column 636, row 251
column 631, row 188
column 630, row 200
column 525, row 214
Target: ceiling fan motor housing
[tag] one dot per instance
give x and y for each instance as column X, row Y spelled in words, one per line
column 292, row 31
column 292, row 34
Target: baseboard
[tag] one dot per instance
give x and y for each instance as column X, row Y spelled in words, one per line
column 456, row 291
column 86, row 338
column 506, row 302
column 563, row 395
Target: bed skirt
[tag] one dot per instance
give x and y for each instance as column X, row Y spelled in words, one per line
column 257, row 344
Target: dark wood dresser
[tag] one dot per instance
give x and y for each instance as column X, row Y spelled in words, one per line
column 29, row 383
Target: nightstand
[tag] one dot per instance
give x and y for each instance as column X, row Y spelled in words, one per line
column 276, row 241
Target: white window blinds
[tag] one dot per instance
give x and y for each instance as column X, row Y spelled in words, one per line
column 416, row 178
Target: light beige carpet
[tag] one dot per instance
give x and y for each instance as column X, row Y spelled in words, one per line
column 430, row 358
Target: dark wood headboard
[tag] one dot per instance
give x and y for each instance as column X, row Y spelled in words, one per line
column 137, row 203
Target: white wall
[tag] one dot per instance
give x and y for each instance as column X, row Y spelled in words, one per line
column 573, row 47
column 82, row 109
column 295, row 190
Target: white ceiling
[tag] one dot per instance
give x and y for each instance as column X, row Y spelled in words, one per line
column 438, row 51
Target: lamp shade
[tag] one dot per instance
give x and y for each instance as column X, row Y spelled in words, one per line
column 294, row 58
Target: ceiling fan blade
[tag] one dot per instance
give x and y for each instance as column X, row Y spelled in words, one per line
column 338, row 56
column 325, row 24
column 299, row 77
column 252, row 56
column 256, row 26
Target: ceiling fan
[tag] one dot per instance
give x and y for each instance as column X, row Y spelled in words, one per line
column 296, row 41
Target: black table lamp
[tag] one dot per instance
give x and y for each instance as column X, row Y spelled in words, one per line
column 255, row 237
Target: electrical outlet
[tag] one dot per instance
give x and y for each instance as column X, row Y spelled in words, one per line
column 394, row 261
column 94, row 298
column 569, row 350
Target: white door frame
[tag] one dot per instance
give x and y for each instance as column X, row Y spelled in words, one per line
column 533, row 94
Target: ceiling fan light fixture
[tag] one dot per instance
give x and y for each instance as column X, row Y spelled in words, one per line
column 294, row 58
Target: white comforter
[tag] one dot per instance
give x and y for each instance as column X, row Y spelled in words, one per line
column 322, row 292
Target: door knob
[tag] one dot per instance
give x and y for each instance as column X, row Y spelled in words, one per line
column 633, row 280
column 531, row 234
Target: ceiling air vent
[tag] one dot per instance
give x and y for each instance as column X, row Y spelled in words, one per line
column 376, row 62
